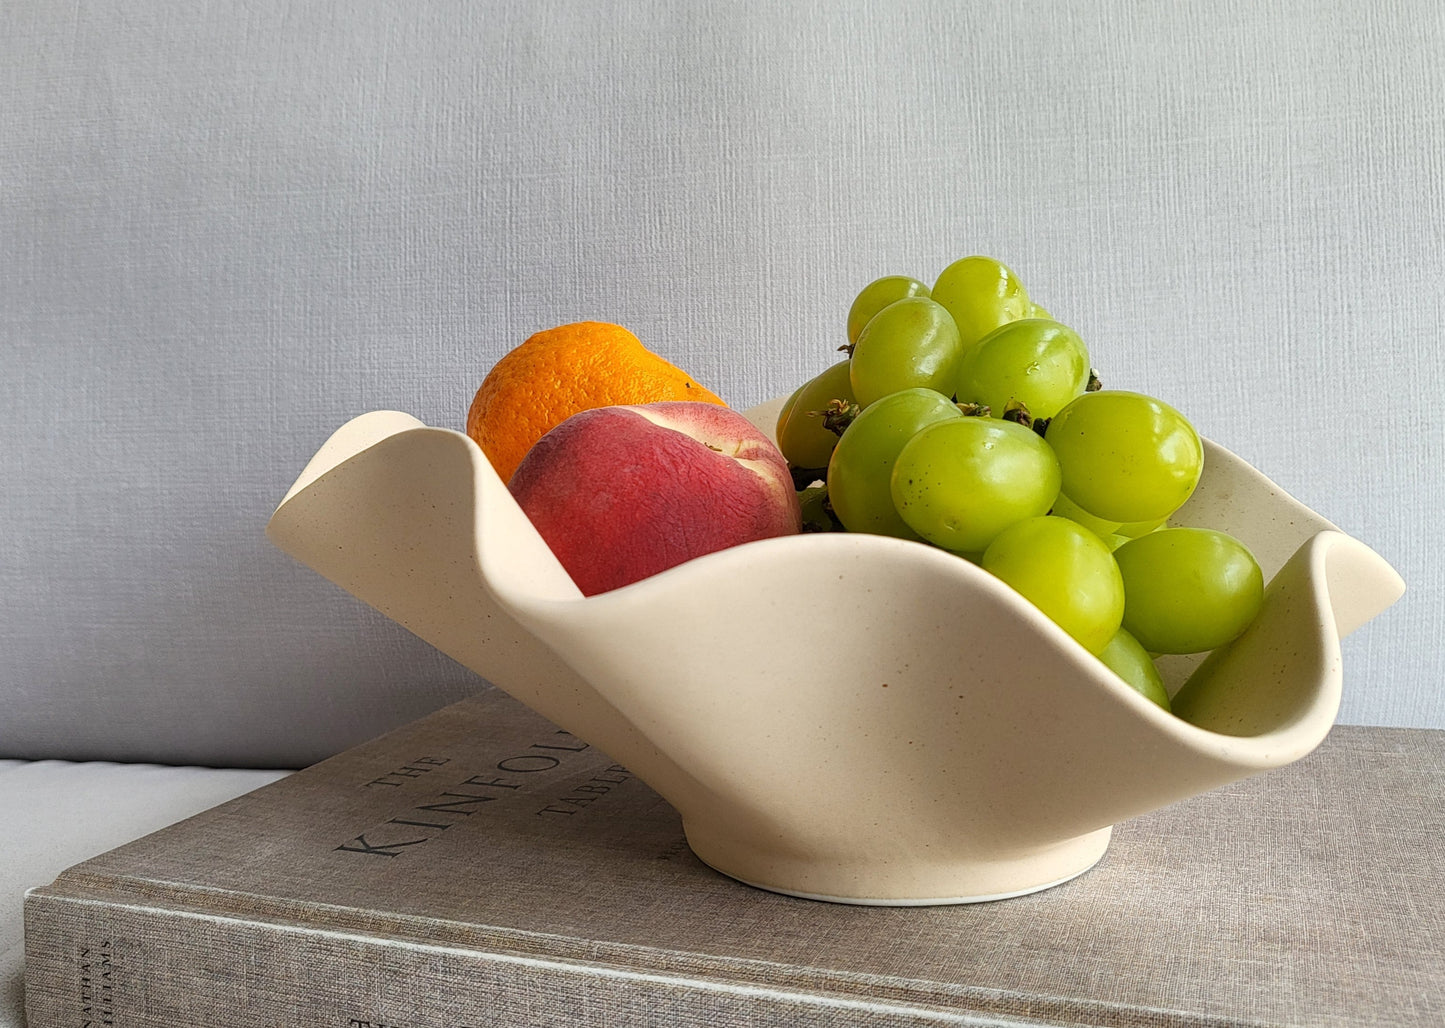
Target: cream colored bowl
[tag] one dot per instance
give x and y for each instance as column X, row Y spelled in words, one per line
column 923, row 735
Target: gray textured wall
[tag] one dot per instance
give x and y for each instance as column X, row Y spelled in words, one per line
column 225, row 229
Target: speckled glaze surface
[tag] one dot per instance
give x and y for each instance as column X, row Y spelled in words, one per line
column 840, row 716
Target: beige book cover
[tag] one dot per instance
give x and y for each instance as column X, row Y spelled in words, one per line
column 481, row 867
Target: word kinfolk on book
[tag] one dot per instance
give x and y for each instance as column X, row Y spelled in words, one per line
column 524, row 773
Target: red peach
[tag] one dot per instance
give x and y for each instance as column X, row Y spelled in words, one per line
column 621, row 493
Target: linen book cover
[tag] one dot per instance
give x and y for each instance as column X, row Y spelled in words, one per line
column 481, row 867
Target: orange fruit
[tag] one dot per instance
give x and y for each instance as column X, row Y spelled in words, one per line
column 561, row 372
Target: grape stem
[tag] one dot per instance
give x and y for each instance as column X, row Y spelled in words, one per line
column 1018, row 412
column 837, row 415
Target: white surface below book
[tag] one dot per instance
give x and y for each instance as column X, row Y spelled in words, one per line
column 57, row 813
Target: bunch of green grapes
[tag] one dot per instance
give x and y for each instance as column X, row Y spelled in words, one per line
column 967, row 417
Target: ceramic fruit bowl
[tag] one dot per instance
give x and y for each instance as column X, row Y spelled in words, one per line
column 842, row 716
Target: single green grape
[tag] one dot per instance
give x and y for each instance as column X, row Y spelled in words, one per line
column 1067, row 508
column 801, row 436
column 876, row 295
column 862, row 462
column 960, row 483
column 1066, row 571
column 1041, row 364
column 981, row 294
column 910, row 344
column 1131, row 662
column 1125, row 456
column 1188, row 590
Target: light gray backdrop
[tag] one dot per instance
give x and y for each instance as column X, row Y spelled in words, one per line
column 227, row 228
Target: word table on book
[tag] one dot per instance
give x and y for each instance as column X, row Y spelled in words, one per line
column 480, row 867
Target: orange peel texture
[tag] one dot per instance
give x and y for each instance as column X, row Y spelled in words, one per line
column 560, row 372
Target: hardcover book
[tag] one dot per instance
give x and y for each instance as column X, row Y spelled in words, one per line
column 480, row 867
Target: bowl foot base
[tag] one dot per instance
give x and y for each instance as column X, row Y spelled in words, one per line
column 904, row 883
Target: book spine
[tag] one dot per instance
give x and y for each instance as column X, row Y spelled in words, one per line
column 104, row 962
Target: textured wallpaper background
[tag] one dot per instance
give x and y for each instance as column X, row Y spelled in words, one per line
column 225, row 229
